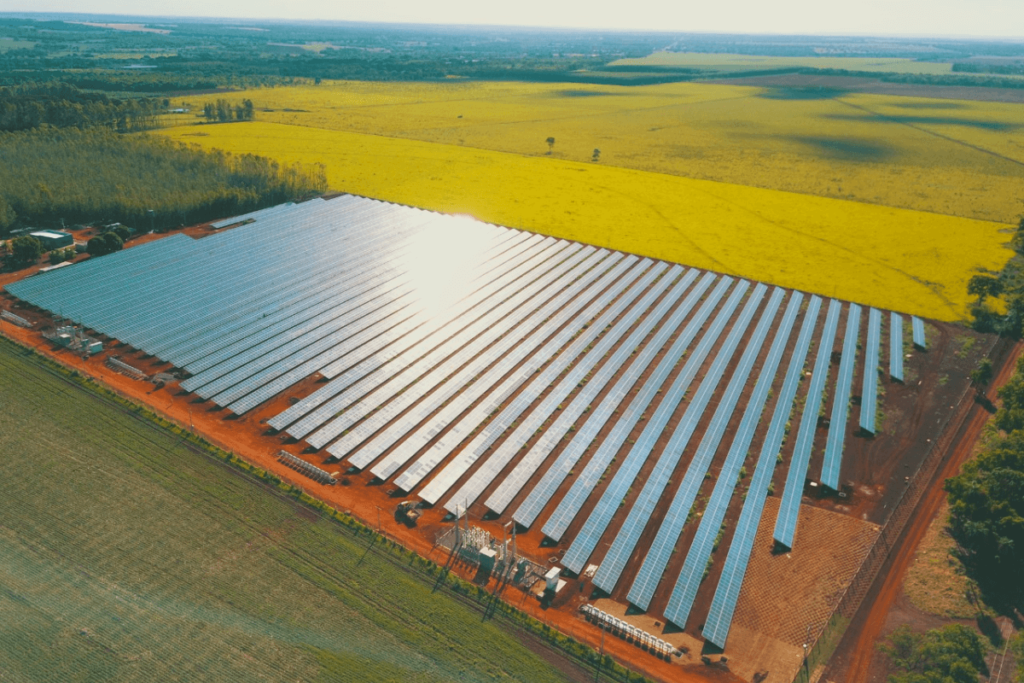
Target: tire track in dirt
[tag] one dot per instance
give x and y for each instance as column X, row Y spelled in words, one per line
column 852, row 659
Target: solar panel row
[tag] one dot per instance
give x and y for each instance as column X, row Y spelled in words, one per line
column 789, row 507
column 583, row 545
column 474, row 420
column 583, row 486
column 494, row 462
column 896, row 346
column 918, row 328
column 869, row 391
column 643, row 508
column 493, row 327
column 727, row 593
column 512, row 349
column 841, row 402
column 685, row 592
column 535, row 501
column 528, row 465
column 653, row 567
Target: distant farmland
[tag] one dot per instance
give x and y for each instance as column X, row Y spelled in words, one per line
column 909, row 261
column 127, row 556
column 951, row 157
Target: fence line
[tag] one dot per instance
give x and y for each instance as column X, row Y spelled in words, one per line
column 831, row 630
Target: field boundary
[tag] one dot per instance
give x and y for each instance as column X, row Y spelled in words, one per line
column 819, row 650
column 478, row 598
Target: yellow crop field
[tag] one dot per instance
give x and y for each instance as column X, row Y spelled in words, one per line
column 909, row 261
column 951, row 157
column 735, row 62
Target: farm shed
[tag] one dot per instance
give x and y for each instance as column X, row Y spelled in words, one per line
column 54, row 239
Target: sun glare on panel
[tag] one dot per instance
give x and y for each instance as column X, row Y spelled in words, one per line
column 442, row 262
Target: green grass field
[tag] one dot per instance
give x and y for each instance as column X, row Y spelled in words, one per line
column 128, row 555
column 12, row 44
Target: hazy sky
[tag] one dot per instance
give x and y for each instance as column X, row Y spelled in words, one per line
column 993, row 18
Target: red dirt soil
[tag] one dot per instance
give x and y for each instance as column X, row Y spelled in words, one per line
column 851, row 662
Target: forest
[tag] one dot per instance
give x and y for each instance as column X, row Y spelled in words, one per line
column 52, row 177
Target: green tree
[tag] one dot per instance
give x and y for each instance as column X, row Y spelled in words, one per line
column 56, row 256
column 7, row 214
column 982, row 374
column 26, row 250
column 597, row 155
column 122, row 232
column 986, row 516
column 105, row 244
column 951, row 654
column 551, row 144
column 983, row 286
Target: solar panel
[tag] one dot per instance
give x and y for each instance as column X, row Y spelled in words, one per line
column 386, row 386
column 896, row 346
column 723, row 605
column 640, row 513
column 789, row 507
column 529, row 463
column 584, row 484
column 494, row 462
column 685, row 592
column 488, row 433
column 324, row 356
column 918, row 327
column 337, row 394
column 554, row 476
column 869, row 392
column 841, row 403
column 653, row 567
column 595, row 297
column 498, row 326
column 508, row 352
column 583, row 545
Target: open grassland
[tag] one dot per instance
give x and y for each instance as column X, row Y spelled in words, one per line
column 735, row 62
column 127, row 556
column 12, row 44
column 951, row 157
column 904, row 260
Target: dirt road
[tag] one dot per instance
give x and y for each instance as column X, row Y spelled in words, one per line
column 851, row 662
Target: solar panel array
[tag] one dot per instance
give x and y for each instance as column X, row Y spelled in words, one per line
column 470, row 363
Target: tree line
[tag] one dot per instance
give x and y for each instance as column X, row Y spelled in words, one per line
column 49, row 175
column 61, row 105
column 987, row 497
column 223, row 111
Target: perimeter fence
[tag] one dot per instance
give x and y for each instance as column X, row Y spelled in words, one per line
column 822, row 643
